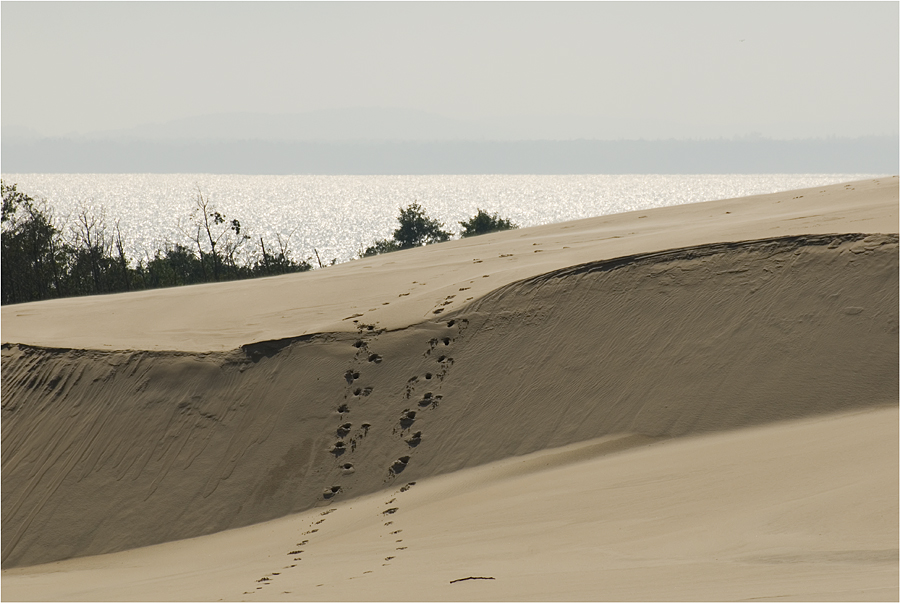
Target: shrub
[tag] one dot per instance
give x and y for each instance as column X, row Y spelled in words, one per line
column 483, row 223
column 381, row 246
column 418, row 229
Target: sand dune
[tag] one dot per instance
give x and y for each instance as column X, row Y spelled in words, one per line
column 663, row 351
column 780, row 512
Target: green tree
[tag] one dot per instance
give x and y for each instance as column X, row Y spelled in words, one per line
column 33, row 256
column 483, row 223
column 417, row 229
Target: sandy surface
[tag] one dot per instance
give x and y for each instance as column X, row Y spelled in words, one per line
column 697, row 402
column 404, row 288
column 781, row 512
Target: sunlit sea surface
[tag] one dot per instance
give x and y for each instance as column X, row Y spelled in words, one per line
column 340, row 215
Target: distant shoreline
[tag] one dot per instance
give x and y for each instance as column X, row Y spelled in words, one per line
column 873, row 154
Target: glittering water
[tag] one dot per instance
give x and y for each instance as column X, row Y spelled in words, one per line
column 341, row 215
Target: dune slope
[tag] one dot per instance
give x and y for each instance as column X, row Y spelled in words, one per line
column 105, row 451
column 790, row 511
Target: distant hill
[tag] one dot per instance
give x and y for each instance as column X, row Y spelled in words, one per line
column 833, row 155
column 332, row 125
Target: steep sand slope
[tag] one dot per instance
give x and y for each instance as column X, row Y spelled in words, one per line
column 802, row 511
column 110, row 450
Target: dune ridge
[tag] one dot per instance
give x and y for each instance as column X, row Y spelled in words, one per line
column 106, row 451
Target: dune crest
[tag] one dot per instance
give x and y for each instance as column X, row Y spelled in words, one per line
column 105, row 451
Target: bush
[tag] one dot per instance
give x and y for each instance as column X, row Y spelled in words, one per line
column 381, row 246
column 483, row 223
column 416, row 229
column 39, row 261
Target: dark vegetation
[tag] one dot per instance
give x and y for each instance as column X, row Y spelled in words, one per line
column 483, row 223
column 417, row 229
column 43, row 260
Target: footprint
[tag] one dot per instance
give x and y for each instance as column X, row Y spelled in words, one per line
column 343, row 408
column 407, row 486
column 390, row 511
column 399, row 465
column 344, row 429
column 347, row 468
column 407, row 418
column 330, row 493
column 339, row 448
column 415, row 440
column 375, row 358
column 351, row 375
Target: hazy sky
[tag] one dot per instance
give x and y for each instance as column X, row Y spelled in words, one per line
column 549, row 70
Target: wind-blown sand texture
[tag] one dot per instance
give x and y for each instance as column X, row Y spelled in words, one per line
column 696, row 402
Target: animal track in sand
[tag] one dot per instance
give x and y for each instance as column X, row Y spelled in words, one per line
column 339, row 448
column 375, row 358
column 351, row 376
column 344, row 429
column 407, row 486
column 415, row 440
column 343, row 408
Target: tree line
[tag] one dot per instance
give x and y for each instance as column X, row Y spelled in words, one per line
column 41, row 260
